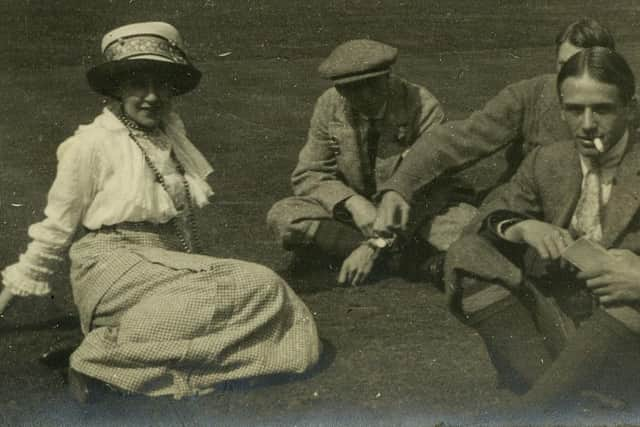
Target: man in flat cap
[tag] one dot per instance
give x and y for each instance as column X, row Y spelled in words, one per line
column 359, row 131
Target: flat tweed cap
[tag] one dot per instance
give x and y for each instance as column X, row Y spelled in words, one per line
column 358, row 60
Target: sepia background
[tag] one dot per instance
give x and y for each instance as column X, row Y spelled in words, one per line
column 393, row 354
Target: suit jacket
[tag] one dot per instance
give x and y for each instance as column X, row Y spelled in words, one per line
column 333, row 164
column 547, row 187
column 521, row 117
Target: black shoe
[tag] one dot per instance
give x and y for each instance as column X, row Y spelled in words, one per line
column 432, row 270
column 57, row 357
column 88, row 390
column 418, row 261
column 81, row 387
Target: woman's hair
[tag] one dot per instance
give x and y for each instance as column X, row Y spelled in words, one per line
column 142, row 73
column 585, row 33
column 603, row 65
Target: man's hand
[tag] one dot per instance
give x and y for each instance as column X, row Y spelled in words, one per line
column 357, row 266
column 549, row 240
column 393, row 214
column 5, row 298
column 363, row 213
column 617, row 280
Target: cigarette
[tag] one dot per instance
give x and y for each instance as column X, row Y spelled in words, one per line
column 598, row 144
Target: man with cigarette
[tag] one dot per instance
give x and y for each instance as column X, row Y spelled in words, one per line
column 573, row 202
column 521, row 117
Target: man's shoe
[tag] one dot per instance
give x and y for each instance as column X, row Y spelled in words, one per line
column 432, row 270
column 87, row 390
column 57, row 357
column 80, row 387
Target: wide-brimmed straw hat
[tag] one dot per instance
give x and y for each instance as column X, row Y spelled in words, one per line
column 145, row 47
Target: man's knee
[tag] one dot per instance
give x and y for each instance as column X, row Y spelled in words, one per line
column 276, row 217
column 476, row 300
column 443, row 230
column 288, row 227
column 295, row 215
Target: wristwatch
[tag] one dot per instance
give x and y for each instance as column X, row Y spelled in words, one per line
column 380, row 243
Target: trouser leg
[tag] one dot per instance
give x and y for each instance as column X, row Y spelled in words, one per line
column 551, row 367
column 440, row 212
column 302, row 223
column 601, row 347
column 438, row 215
column 294, row 220
column 506, row 325
column 336, row 239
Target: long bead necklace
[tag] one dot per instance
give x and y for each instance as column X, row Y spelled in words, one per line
column 195, row 241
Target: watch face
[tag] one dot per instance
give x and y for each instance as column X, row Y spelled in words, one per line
column 380, row 243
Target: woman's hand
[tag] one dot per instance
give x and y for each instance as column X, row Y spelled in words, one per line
column 616, row 280
column 547, row 239
column 363, row 213
column 357, row 266
column 5, row 298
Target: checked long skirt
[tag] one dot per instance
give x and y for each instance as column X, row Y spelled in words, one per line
column 158, row 321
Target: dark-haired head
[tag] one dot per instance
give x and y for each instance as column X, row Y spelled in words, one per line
column 601, row 64
column 596, row 89
column 581, row 34
column 585, row 33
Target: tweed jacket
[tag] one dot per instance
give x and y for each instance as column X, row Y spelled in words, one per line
column 547, row 187
column 333, row 164
column 521, row 117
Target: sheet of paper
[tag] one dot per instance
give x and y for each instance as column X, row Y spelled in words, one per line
column 585, row 254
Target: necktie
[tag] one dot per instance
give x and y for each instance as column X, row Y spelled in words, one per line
column 587, row 216
column 586, row 223
column 372, row 137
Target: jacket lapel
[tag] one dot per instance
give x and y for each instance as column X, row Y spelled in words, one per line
column 395, row 117
column 348, row 130
column 344, row 128
column 564, row 179
column 625, row 195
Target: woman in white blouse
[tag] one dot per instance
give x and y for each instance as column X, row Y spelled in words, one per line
column 158, row 319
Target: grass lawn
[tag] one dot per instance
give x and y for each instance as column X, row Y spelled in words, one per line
column 395, row 356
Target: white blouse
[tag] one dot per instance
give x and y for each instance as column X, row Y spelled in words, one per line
column 103, row 179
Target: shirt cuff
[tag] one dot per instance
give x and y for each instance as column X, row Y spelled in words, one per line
column 497, row 222
column 25, row 282
column 502, row 226
column 340, row 211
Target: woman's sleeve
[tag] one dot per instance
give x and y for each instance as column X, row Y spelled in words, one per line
column 68, row 199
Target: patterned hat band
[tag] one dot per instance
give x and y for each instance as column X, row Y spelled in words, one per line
column 145, row 46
